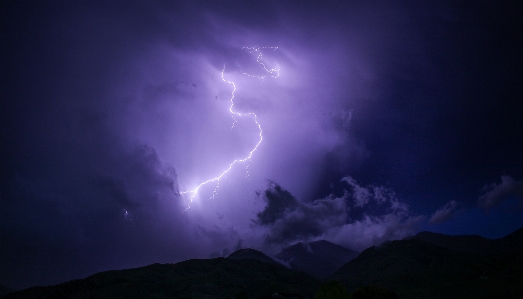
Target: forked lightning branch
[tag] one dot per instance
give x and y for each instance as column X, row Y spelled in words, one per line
column 266, row 72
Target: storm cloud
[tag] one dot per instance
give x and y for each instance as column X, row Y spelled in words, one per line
column 112, row 111
column 363, row 216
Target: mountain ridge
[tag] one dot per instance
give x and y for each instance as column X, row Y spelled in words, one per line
column 196, row 278
column 319, row 259
column 509, row 244
column 429, row 265
column 249, row 253
column 412, row 268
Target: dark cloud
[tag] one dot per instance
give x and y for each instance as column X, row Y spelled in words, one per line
column 109, row 109
column 279, row 201
column 449, row 210
column 495, row 194
column 290, row 220
column 350, row 219
column 94, row 216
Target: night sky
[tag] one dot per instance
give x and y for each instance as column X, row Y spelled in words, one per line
column 379, row 120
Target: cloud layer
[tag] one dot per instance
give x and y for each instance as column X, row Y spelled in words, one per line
column 449, row 210
column 109, row 109
column 363, row 216
column 494, row 194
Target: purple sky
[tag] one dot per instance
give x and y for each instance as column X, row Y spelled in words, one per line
column 386, row 119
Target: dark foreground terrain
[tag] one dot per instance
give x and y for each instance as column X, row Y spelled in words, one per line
column 427, row 265
column 416, row 269
column 206, row 278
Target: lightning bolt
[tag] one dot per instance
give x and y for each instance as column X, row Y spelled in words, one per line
column 128, row 217
column 269, row 72
column 274, row 72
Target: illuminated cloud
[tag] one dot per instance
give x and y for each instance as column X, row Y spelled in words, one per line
column 374, row 230
column 362, row 217
column 113, row 108
column 449, row 210
column 497, row 193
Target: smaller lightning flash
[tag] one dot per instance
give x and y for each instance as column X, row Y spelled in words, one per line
column 274, row 72
column 128, row 217
column 269, row 72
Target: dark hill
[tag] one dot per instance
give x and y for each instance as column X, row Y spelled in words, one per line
column 464, row 243
column 510, row 244
column 5, row 290
column 211, row 278
column 418, row 269
column 252, row 254
column 319, row 259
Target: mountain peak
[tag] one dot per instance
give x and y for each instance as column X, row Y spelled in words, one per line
column 251, row 254
column 319, row 258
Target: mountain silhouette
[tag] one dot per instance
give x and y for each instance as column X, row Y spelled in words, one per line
column 427, row 266
column 251, row 254
column 198, row 278
column 454, row 268
column 510, row 244
column 319, row 259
